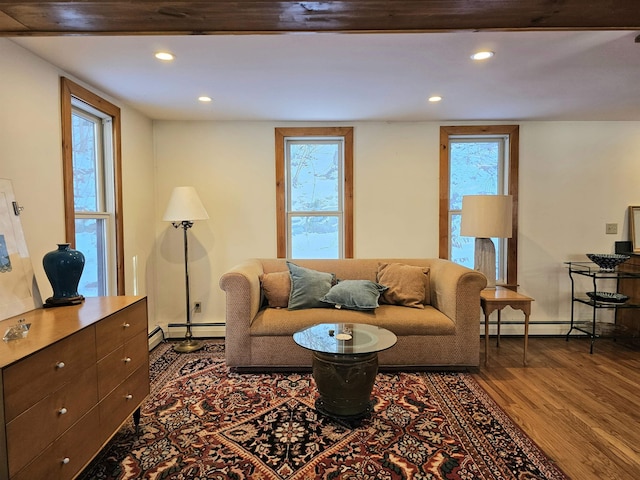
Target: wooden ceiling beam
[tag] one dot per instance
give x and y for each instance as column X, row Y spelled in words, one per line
column 180, row 17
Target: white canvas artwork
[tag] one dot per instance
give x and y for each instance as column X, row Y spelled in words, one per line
column 18, row 289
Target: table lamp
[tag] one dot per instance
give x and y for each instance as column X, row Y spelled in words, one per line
column 486, row 217
column 184, row 207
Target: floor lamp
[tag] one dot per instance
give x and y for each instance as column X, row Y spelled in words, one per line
column 486, row 217
column 184, row 207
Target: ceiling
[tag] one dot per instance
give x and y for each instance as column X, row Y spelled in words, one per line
column 554, row 59
column 55, row 17
column 360, row 77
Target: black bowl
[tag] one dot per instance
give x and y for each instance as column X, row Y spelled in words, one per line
column 607, row 261
column 607, row 297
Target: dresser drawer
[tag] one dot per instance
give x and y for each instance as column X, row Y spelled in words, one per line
column 65, row 458
column 30, row 380
column 124, row 400
column 120, row 327
column 122, row 362
column 30, row 432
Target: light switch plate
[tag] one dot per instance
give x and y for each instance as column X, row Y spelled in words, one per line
column 611, row 228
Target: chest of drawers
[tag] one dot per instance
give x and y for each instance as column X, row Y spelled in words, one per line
column 630, row 317
column 68, row 387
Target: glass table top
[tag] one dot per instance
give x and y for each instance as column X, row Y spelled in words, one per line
column 345, row 338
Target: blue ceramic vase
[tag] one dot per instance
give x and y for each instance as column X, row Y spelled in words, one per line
column 64, row 268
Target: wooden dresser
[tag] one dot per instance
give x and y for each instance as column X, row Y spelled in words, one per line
column 68, row 387
column 630, row 317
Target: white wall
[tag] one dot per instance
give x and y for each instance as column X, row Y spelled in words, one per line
column 574, row 178
column 31, row 157
column 232, row 166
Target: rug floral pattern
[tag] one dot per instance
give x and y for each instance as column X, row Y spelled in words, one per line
column 203, row 422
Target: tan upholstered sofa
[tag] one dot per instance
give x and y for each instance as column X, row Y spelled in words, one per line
column 446, row 332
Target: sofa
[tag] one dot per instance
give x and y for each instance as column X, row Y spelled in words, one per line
column 441, row 330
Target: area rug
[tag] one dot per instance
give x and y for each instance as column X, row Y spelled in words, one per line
column 203, row 422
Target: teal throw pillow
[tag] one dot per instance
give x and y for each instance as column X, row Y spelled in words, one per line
column 308, row 287
column 355, row 294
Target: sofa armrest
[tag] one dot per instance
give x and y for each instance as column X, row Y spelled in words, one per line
column 243, row 296
column 456, row 291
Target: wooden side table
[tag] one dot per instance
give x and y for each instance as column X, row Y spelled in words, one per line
column 497, row 299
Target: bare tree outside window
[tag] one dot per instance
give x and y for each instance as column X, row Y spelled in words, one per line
column 314, row 192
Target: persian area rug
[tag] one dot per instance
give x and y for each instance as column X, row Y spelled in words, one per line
column 203, row 422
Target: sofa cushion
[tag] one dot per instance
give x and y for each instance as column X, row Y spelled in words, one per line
column 354, row 294
column 400, row 320
column 276, row 287
column 408, row 285
column 308, row 287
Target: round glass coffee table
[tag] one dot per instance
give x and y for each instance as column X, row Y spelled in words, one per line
column 345, row 365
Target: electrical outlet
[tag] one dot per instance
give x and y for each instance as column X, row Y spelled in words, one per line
column 611, row 228
column 197, row 307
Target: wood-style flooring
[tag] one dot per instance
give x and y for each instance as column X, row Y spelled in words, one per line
column 582, row 410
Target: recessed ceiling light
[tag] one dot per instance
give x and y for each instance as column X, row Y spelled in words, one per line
column 483, row 55
column 204, row 98
column 435, row 98
column 166, row 56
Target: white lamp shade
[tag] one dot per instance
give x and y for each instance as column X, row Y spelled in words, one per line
column 184, row 204
column 486, row 216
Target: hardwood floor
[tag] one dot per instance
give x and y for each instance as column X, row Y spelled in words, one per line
column 582, row 410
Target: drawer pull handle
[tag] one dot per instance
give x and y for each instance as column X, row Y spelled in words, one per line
column 66, row 460
column 60, row 365
column 126, row 325
column 129, row 397
column 62, row 411
column 127, row 360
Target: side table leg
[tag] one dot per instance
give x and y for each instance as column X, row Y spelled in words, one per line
column 486, row 339
column 526, row 338
column 498, row 332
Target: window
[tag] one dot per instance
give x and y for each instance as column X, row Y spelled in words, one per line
column 478, row 160
column 314, row 192
column 93, row 200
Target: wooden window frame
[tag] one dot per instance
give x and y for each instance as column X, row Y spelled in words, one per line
column 68, row 91
column 513, row 131
column 281, row 228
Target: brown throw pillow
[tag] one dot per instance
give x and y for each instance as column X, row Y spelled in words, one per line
column 276, row 287
column 408, row 284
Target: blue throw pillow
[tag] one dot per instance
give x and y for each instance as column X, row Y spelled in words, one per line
column 308, row 287
column 355, row 294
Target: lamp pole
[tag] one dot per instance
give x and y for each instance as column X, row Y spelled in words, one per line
column 188, row 344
